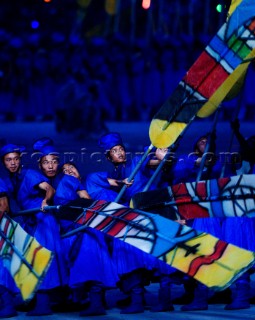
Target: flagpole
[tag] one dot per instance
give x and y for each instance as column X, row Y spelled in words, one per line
column 132, row 175
column 208, row 145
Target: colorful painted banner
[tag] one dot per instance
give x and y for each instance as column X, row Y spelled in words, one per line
column 224, row 197
column 211, row 78
column 26, row 260
column 209, row 260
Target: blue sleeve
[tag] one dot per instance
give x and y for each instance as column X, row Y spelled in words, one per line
column 98, row 186
column 31, row 181
column 29, row 195
column 184, row 170
column 97, row 180
column 35, row 177
column 3, row 187
column 67, row 189
column 140, row 178
column 136, row 160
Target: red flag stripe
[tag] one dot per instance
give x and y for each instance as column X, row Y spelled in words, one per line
column 220, row 247
column 117, row 225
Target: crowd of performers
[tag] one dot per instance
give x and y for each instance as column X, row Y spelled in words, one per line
column 88, row 263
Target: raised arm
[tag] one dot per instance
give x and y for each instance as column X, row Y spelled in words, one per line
column 49, row 193
column 159, row 156
column 83, row 194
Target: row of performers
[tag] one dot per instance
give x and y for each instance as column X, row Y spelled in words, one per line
column 92, row 262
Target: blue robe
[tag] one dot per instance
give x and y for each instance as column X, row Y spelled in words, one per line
column 99, row 188
column 127, row 258
column 3, row 187
column 123, row 171
column 67, row 189
column 88, row 253
column 43, row 226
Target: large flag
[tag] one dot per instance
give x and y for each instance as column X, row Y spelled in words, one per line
column 223, row 197
column 202, row 256
column 212, row 77
column 23, row 256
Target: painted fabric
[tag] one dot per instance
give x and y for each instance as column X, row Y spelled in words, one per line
column 213, row 77
column 208, row 259
column 24, row 257
column 223, row 197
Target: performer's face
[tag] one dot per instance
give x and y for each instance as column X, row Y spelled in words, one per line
column 12, row 161
column 118, row 154
column 49, row 165
column 201, row 145
column 70, row 170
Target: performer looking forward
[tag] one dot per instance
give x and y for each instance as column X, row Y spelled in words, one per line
column 31, row 190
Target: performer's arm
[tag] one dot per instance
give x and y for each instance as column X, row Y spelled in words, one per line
column 83, row 194
column 49, row 193
column 160, row 153
column 117, row 183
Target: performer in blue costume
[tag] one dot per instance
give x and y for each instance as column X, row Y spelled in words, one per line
column 241, row 231
column 31, row 190
column 132, row 264
column 7, row 285
column 71, row 186
column 89, row 252
column 48, row 160
column 11, row 178
column 187, row 169
column 106, row 185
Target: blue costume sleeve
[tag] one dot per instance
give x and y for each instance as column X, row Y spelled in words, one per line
column 9, row 186
column 184, row 170
column 140, row 179
column 29, row 195
column 67, row 190
column 3, row 187
column 14, row 207
column 98, row 186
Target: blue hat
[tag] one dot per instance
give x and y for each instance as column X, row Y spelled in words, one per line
column 41, row 143
column 110, row 140
column 47, row 150
column 9, row 148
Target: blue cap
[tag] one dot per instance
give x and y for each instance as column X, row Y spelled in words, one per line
column 110, row 140
column 9, row 148
column 41, row 143
column 47, row 150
